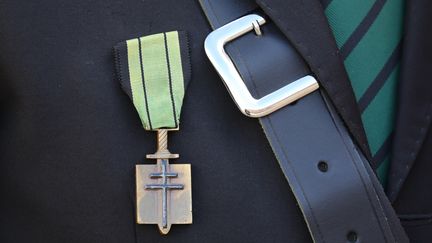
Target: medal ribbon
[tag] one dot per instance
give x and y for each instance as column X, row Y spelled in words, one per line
column 154, row 71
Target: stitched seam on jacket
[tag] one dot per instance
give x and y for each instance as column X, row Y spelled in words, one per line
column 421, row 133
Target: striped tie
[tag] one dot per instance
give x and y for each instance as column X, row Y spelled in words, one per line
column 368, row 34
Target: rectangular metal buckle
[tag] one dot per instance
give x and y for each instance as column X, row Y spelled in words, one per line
column 248, row 105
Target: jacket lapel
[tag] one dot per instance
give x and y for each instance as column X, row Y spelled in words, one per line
column 414, row 97
column 305, row 25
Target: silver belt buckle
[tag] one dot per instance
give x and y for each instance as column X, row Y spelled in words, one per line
column 248, row 105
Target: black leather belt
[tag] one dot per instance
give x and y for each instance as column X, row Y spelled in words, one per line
column 337, row 191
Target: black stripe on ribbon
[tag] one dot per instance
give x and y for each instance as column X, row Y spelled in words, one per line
column 170, row 79
column 143, row 82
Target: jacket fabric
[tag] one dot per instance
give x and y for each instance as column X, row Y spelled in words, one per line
column 70, row 137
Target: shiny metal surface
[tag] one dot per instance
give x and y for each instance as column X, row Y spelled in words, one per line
column 248, row 105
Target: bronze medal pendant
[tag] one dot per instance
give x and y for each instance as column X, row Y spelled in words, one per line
column 164, row 192
column 154, row 71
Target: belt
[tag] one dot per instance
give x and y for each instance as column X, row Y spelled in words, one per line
column 334, row 185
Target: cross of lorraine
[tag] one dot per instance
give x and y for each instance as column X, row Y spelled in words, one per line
column 163, row 190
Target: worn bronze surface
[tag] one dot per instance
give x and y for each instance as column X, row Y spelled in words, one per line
column 164, row 192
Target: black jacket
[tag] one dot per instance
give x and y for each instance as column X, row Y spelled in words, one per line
column 70, row 138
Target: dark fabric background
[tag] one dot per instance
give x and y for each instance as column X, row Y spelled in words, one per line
column 412, row 152
column 70, row 137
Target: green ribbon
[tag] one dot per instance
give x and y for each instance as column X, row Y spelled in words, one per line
column 154, row 71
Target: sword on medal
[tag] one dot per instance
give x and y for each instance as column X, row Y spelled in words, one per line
column 169, row 200
column 157, row 89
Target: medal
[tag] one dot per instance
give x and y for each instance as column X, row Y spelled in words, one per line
column 154, row 72
column 164, row 195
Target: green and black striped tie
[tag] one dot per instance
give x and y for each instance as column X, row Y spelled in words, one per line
column 368, row 34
